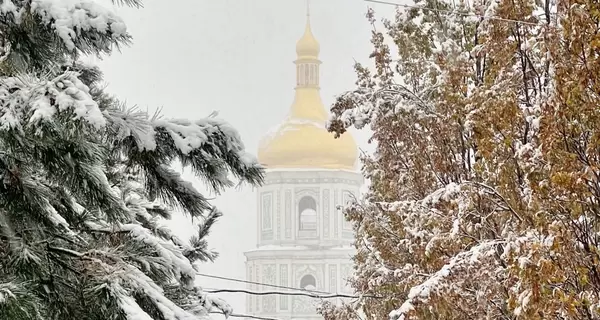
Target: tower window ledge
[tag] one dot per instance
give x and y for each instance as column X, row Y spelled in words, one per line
column 278, row 248
column 307, row 234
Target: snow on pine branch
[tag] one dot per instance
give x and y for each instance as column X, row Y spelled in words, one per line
column 70, row 18
column 125, row 279
column 170, row 253
column 27, row 102
column 187, row 136
column 7, row 292
column 122, row 279
column 17, row 300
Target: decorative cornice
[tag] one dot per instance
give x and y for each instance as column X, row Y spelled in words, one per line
column 309, row 254
column 268, row 181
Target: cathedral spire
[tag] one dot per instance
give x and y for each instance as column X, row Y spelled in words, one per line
column 308, row 47
column 307, row 103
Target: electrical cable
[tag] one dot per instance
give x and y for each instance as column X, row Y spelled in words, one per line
column 451, row 12
column 239, row 315
column 325, row 293
column 262, row 284
column 259, row 283
column 266, row 293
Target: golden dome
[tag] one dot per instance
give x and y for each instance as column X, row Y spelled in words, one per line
column 302, row 140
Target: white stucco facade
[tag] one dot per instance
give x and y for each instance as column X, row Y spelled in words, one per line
column 303, row 240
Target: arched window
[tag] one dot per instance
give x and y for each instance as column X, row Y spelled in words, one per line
column 308, row 282
column 307, row 209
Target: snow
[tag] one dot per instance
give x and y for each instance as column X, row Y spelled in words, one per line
column 8, row 6
column 70, row 17
column 131, row 122
column 435, row 281
column 55, row 217
column 38, row 105
column 186, row 135
column 290, row 124
column 167, row 250
column 211, row 301
column 455, row 227
column 131, row 309
column 6, row 292
column 33, row 95
column 138, row 280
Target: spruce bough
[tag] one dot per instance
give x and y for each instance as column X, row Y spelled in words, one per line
column 86, row 183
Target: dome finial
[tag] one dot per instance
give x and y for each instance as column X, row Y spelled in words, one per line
column 308, row 46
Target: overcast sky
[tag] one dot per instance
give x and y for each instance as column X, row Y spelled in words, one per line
column 193, row 57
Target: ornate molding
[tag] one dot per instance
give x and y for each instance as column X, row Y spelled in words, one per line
column 266, row 211
column 333, row 278
column 300, row 270
column 326, row 213
column 249, row 298
column 269, row 275
column 266, row 235
column 283, row 281
column 305, row 305
column 302, row 304
column 269, row 303
column 288, row 214
column 272, row 181
column 278, row 215
column 336, row 218
column 307, row 191
column 257, row 279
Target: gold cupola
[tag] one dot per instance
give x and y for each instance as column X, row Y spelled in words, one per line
column 302, row 141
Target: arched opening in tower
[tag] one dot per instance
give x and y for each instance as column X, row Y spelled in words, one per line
column 307, row 207
column 308, row 282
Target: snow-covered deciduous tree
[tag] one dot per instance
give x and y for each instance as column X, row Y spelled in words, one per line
column 86, row 184
column 484, row 192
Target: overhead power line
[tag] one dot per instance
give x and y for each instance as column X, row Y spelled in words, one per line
column 313, row 293
column 239, row 315
column 259, row 283
column 264, row 284
column 466, row 14
column 279, row 293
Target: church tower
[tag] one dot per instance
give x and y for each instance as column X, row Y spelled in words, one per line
column 303, row 239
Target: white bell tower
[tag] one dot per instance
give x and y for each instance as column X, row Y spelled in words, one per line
column 303, row 239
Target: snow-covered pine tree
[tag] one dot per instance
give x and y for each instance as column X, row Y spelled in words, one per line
column 87, row 184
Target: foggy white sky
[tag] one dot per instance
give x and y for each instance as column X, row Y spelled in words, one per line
column 192, row 57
